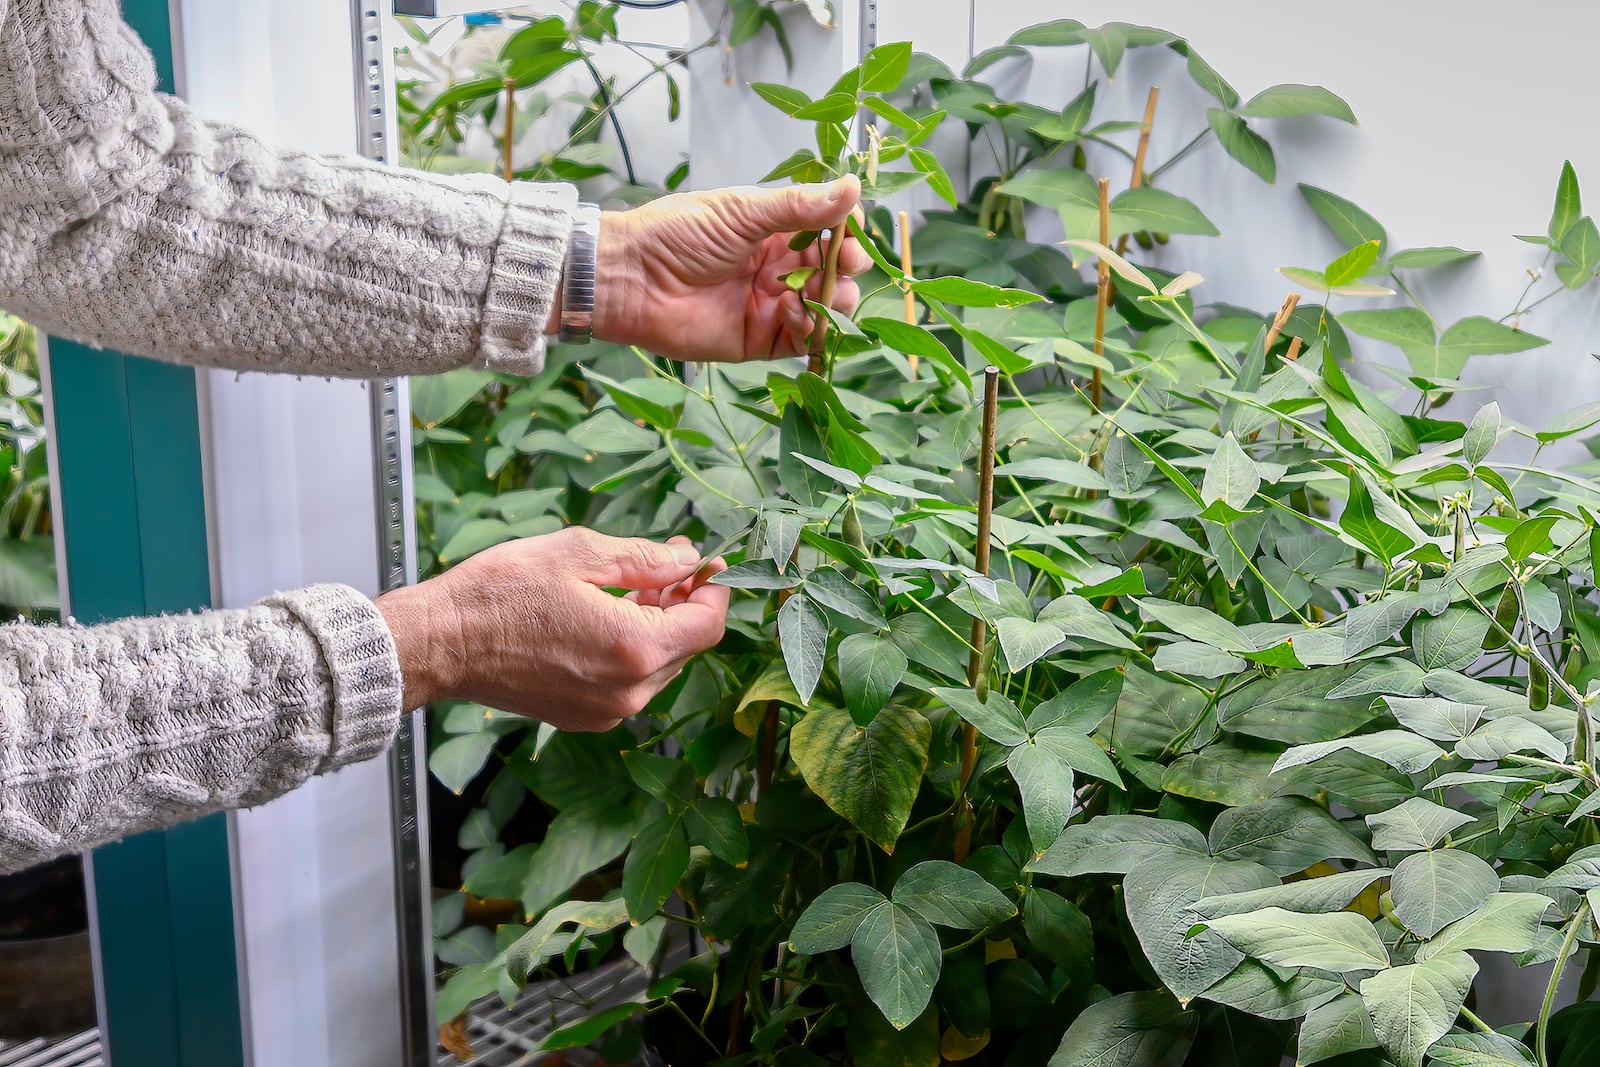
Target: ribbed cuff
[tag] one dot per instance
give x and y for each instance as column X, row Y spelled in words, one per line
column 525, row 275
column 365, row 668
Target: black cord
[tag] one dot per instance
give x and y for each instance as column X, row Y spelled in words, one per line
column 647, row 5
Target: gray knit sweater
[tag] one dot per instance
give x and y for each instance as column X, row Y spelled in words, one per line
column 127, row 221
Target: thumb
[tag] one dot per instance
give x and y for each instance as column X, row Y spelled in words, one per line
column 632, row 562
column 805, row 207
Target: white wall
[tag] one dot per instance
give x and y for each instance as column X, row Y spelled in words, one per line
column 1466, row 115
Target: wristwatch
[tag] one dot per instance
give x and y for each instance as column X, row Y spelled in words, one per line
column 577, row 277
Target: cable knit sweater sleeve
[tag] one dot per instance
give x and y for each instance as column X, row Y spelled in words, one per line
column 128, row 221
column 110, row 730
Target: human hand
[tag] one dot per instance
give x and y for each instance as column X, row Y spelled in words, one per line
column 529, row 627
column 699, row 276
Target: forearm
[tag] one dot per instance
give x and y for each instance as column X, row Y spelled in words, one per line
column 125, row 220
column 111, row 730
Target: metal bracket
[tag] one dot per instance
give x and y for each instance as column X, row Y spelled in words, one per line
column 397, row 566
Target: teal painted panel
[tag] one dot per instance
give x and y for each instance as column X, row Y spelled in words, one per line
column 164, row 421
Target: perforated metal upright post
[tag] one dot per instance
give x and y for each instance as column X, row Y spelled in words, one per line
column 397, row 566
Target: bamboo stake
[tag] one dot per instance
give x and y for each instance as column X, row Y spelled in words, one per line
column 510, row 129
column 905, row 266
column 1294, row 350
column 980, row 633
column 1138, row 155
column 1282, row 318
column 1102, row 295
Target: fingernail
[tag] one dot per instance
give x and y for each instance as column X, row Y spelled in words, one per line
column 687, row 555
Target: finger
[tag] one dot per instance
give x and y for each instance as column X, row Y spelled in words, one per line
column 846, row 296
column 694, row 625
column 629, row 562
column 800, row 207
column 796, row 324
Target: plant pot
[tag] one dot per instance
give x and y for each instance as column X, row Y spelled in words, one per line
column 46, row 986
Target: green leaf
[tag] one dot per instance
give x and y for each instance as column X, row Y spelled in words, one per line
column 1435, row 717
column 1231, row 476
column 1337, row 941
column 1045, row 782
column 438, row 398
column 714, row 823
column 1422, row 258
column 1411, row 1007
column 1197, row 624
column 1568, row 206
column 1243, row 144
column 1062, row 471
column 1024, row 641
column 964, row 292
column 457, row 761
column 1288, row 99
column 1361, row 521
column 1530, row 536
column 868, row 775
column 1205, row 76
column 1332, row 892
column 1350, row 224
column 897, row 955
column 1400, row 749
column 1507, row 734
column 1285, row 835
column 1431, row 890
column 1342, row 1025
column 946, row 894
column 829, row 922
column 1449, row 641
column 803, row 633
column 1077, row 617
column 1480, row 1050
column 1149, row 208
column 1059, row 931
column 1353, row 265
column 1260, row 990
column 658, row 859
column 883, row 68
column 1144, row 1029
column 1296, row 707
column 1413, row 826
column 1481, row 434
column 1066, row 127
column 1115, row 844
column 996, row 717
column 1475, row 336
column 914, row 340
column 1057, row 32
column 670, row 781
column 870, row 666
column 579, row 842
column 1506, row 922
column 1581, row 246
column 786, row 98
column 1160, row 893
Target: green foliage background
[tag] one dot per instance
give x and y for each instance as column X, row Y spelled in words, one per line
column 1287, row 716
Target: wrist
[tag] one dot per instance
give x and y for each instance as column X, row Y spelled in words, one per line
column 427, row 638
column 618, row 290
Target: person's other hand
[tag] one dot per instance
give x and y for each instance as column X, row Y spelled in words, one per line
column 528, row 626
column 699, row 276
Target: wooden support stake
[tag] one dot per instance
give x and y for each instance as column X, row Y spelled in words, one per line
column 980, row 633
column 905, row 265
column 1294, row 350
column 1282, row 318
column 510, row 130
column 1102, row 295
column 1138, row 155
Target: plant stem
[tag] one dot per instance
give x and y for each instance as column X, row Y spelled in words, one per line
column 604, row 91
column 1102, row 297
column 1185, row 150
column 1542, row 1028
column 969, row 736
column 830, row 286
column 1138, row 156
column 1471, row 1017
column 1282, row 318
column 506, row 170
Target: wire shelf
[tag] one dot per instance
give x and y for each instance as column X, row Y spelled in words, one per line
column 83, row 1050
